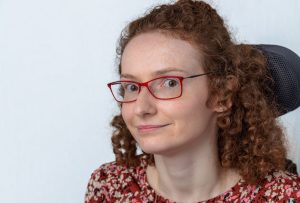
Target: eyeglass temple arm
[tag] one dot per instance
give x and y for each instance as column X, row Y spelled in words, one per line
column 193, row 76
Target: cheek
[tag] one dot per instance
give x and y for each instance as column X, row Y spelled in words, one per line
column 192, row 113
column 190, row 105
column 126, row 113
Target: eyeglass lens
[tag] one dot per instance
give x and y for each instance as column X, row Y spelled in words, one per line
column 161, row 88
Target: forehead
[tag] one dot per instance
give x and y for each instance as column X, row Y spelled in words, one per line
column 153, row 52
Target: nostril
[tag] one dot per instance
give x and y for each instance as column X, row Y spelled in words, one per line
column 145, row 104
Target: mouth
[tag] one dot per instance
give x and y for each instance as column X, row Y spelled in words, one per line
column 150, row 128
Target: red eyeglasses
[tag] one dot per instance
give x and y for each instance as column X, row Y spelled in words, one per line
column 163, row 88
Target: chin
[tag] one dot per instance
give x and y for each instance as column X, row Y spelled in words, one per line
column 155, row 143
column 150, row 149
column 157, row 149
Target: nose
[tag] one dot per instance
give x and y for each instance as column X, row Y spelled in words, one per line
column 145, row 104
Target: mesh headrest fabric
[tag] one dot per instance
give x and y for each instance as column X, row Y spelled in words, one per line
column 284, row 67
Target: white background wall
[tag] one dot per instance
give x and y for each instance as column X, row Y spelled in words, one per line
column 55, row 60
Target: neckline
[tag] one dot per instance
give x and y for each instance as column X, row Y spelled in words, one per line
column 159, row 198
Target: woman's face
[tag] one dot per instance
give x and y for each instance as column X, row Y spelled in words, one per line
column 165, row 126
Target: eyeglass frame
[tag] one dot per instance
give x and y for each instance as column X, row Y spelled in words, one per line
column 145, row 84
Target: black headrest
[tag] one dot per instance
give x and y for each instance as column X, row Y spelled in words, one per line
column 284, row 67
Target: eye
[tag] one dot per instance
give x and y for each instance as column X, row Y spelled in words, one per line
column 170, row 82
column 130, row 87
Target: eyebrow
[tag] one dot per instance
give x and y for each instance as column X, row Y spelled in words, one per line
column 157, row 73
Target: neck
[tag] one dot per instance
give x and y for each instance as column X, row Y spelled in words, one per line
column 191, row 175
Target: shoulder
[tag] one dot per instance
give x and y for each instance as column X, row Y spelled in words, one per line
column 111, row 181
column 280, row 186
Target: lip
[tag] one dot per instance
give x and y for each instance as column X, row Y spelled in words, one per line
column 150, row 128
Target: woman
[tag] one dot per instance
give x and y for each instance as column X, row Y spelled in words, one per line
column 196, row 105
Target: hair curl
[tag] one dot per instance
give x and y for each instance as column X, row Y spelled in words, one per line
column 249, row 139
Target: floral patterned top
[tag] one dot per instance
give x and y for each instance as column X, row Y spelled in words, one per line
column 115, row 183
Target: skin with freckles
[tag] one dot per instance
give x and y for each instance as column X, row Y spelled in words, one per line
column 167, row 126
column 181, row 132
column 196, row 147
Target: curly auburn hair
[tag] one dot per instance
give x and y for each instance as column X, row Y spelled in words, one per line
column 249, row 138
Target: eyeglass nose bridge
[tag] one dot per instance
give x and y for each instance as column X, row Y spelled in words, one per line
column 145, row 84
